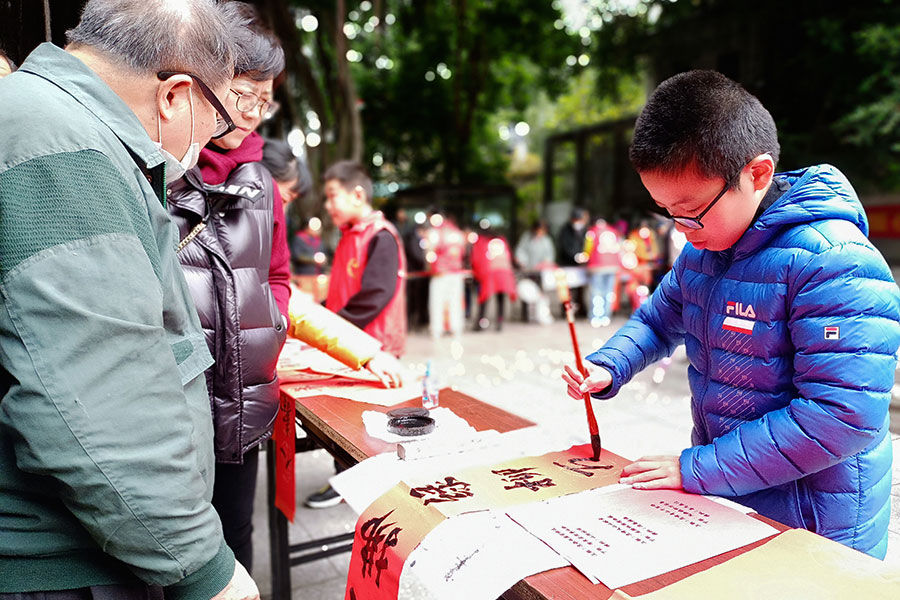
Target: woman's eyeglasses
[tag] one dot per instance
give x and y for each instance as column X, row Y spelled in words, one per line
column 248, row 102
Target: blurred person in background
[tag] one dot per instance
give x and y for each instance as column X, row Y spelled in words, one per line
column 647, row 251
column 7, row 66
column 571, row 253
column 603, row 248
column 106, row 438
column 445, row 247
column 571, row 239
column 233, row 248
column 291, row 175
column 535, row 253
column 307, row 253
column 413, row 236
column 492, row 269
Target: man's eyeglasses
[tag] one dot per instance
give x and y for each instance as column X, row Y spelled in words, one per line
column 248, row 102
column 694, row 222
column 224, row 123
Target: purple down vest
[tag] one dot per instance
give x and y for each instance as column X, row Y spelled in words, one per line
column 227, row 270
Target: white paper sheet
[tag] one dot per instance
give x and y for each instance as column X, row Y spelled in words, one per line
column 476, row 556
column 366, row 481
column 629, row 535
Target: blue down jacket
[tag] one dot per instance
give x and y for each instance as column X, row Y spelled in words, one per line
column 792, row 337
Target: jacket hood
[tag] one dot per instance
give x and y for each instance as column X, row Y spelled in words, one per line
column 817, row 193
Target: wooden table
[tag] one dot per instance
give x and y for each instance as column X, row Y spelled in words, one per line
column 336, row 424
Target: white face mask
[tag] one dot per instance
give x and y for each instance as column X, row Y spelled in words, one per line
column 175, row 169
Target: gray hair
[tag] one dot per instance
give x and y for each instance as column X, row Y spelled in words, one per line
column 259, row 53
column 161, row 35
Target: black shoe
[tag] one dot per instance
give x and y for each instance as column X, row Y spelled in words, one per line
column 323, row 498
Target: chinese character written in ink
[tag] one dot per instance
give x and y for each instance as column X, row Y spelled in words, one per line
column 375, row 540
column 286, row 416
column 576, row 466
column 523, row 478
column 450, row 491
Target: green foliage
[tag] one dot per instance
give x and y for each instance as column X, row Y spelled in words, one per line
column 874, row 124
column 827, row 70
column 454, row 63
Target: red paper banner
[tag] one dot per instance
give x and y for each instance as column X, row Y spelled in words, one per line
column 391, row 528
column 884, row 221
column 284, row 436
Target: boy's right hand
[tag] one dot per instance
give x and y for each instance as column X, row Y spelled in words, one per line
column 597, row 381
column 387, row 369
column 241, row 586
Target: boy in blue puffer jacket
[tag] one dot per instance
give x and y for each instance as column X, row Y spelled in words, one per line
column 788, row 314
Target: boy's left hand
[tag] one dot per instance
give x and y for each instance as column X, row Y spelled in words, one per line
column 653, row 473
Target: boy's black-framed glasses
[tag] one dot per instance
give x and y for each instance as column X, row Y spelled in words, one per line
column 224, row 123
column 694, row 222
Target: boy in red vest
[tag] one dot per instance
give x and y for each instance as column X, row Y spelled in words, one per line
column 369, row 267
column 368, row 272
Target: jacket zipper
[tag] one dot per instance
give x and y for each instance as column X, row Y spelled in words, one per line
column 706, row 345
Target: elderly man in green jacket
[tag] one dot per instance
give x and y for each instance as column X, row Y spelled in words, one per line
column 106, row 460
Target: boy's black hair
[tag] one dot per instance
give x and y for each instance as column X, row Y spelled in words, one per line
column 351, row 174
column 702, row 120
column 260, row 56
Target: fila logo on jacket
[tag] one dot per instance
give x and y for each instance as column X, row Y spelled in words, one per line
column 743, row 318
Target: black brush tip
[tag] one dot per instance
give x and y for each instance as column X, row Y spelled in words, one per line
column 595, row 446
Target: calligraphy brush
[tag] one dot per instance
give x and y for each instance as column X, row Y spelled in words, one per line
column 565, row 297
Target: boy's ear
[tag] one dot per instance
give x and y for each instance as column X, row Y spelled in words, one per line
column 359, row 195
column 762, row 169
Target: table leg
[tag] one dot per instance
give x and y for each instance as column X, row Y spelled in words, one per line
column 279, row 549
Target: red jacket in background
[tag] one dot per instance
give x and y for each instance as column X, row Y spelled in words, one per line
column 603, row 247
column 446, row 246
column 492, row 267
column 350, row 258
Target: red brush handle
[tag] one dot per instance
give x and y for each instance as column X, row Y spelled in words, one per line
column 592, row 422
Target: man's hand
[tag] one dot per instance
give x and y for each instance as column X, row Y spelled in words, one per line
column 241, row 586
column 386, row 368
column 598, row 380
column 653, row 473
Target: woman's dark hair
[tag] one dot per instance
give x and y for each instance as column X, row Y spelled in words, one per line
column 702, row 120
column 538, row 224
column 279, row 159
column 259, row 53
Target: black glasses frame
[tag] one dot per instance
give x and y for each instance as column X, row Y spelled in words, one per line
column 209, row 95
column 694, row 222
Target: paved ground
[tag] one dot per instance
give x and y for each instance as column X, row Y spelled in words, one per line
column 518, row 370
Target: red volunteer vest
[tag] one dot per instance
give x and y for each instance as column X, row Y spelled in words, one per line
column 603, row 247
column 447, row 245
column 350, row 257
column 492, row 267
